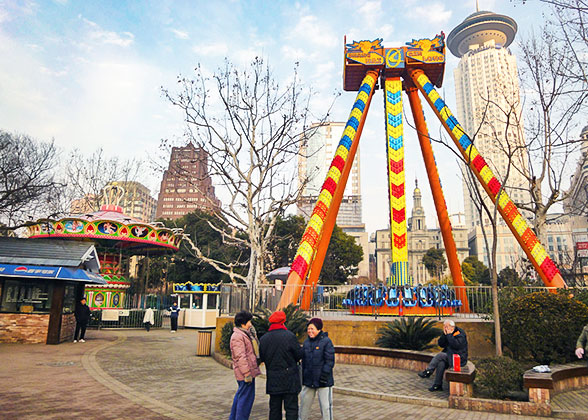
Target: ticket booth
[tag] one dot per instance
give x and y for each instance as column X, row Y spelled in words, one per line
column 199, row 303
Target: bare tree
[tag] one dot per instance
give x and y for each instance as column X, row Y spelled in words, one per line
column 87, row 175
column 554, row 99
column 252, row 130
column 27, row 179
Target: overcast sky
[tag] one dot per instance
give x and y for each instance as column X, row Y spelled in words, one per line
column 89, row 73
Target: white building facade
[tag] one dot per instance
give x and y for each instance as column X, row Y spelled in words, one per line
column 488, row 104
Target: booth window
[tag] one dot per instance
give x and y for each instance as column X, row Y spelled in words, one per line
column 30, row 296
column 69, row 299
column 212, row 301
column 184, row 301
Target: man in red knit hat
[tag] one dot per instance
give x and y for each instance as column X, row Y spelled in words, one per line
column 281, row 353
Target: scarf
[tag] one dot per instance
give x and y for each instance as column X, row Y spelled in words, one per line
column 277, row 327
column 252, row 334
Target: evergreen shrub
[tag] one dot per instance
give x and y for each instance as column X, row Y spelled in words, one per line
column 225, row 340
column 498, row 377
column 543, row 327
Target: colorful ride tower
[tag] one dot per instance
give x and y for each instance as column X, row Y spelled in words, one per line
column 117, row 237
column 416, row 67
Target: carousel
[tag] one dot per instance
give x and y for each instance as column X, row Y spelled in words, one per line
column 118, row 237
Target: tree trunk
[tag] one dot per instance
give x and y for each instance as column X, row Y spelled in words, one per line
column 496, row 312
column 494, row 282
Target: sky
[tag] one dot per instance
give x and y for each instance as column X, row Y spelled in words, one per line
column 89, row 74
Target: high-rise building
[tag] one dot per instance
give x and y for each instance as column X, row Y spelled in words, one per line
column 137, row 201
column 87, row 204
column 313, row 163
column 488, row 102
column 577, row 201
column 186, row 184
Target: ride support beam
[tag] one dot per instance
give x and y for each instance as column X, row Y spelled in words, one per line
column 317, row 235
column 514, row 219
column 323, row 246
column 438, row 197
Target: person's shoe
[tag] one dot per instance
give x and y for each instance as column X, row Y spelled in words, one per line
column 82, row 341
column 173, row 330
column 436, row 388
column 425, row 373
column 75, row 341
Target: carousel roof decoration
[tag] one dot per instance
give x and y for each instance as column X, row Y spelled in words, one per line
column 111, row 227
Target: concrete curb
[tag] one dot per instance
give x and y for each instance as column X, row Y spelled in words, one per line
column 569, row 414
column 392, row 397
column 222, row 360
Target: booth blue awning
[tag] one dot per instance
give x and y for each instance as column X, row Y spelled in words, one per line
column 50, row 272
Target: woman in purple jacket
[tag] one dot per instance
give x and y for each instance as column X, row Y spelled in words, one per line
column 244, row 352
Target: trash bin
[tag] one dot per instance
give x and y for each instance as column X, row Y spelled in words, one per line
column 204, row 342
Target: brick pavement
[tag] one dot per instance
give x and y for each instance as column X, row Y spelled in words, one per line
column 132, row 374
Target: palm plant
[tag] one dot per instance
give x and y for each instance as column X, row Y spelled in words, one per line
column 408, row 333
column 296, row 320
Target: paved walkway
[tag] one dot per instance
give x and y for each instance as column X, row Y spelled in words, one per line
column 132, row 374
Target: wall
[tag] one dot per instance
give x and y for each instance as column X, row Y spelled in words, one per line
column 349, row 332
column 23, row 328
column 68, row 327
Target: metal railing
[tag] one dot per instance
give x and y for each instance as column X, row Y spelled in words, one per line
column 340, row 300
column 335, row 301
column 131, row 314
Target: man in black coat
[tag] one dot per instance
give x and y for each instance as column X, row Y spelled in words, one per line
column 453, row 341
column 280, row 351
column 82, row 314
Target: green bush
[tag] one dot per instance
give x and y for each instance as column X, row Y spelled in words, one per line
column 505, row 296
column 408, row 333
column 580, row 295
column 225, row 340
column 543, row 327
column 296, row 321
column 498, row 377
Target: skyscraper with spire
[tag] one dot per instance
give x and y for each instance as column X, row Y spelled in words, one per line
column 488, row 102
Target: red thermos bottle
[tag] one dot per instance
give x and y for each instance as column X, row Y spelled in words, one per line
column 456, row 363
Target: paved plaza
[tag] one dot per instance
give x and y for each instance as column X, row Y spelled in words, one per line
column 132, row 374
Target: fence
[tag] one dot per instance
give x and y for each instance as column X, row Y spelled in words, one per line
column 327, row 302
column 338, row 301
column 132, row 313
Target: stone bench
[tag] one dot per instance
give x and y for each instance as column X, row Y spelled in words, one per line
column 460, row 383
column 542, row 386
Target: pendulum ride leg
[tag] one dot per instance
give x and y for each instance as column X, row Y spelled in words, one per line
column 396, row 180
column 515, row 221
column 438, row 198
column 315, row 240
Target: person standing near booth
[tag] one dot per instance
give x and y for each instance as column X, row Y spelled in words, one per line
column 82, row 314
column 148, row 319
column 173, row 316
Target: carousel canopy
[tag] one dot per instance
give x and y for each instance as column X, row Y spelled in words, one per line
column 110, row 227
